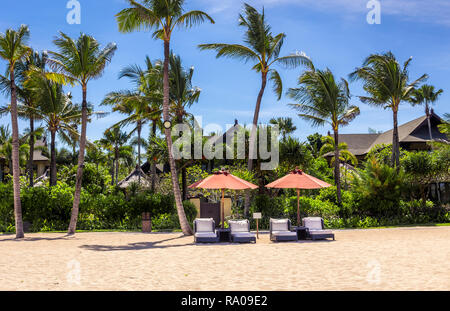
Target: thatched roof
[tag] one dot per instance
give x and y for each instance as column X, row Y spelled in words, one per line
column 37, row 154
column 134, row 178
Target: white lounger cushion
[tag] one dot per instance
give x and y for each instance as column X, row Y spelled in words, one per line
column 313, row 223
column 284, row 233
column 238, row 226
column 204, row 225
column 313, row 231
column 280, row 225
column 243, row 234
column 205, row 235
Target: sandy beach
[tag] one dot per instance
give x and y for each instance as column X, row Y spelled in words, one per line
column 374, row 259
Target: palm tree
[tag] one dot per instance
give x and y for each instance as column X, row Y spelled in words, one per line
column 263, row 49
column 140, row 105
column 55, row 109
column 324, row 100
column 329, row 146
column 114, row 140
column 95, row 154
column 78, row 62
column 5, row 134
column 345, row 156
column 387, row 84
column 13, row 49
column 293, row 153
column 34, row 61
column 285, row 125
column 426, row 95
column 6, row 146
column 182, row 95
column 163, row 16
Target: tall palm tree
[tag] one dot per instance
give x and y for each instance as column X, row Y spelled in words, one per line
column 34, row 61
column 163, row 16
column 114, row 140
column 142, row 104
column 345, row 156
column 323, row 100
column 426, row 95
column 78, row 62
column 263, row 50
column 13, row 49
column 387, row 85
column 55, row 109
column 182, row 95
column 285, row 125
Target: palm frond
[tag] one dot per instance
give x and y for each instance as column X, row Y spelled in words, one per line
column 232, row 50
column 274, row 76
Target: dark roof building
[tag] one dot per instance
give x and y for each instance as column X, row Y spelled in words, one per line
column 413, row 135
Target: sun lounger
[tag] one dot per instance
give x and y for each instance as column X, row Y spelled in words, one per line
column 316, row 229
column 280, row 230
column 240, row 231
column 204, row 231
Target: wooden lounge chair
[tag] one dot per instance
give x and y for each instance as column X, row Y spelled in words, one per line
column 316, row 229
column 204, row 231
column 240, row 231
column 280, row 230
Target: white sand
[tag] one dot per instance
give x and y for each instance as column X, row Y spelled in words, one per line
column 375, row 259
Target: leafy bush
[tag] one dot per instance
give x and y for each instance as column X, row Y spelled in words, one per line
column 380, row 187
column 309, row 207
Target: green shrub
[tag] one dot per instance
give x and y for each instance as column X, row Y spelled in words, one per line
column 269, row 208
column 309, row 207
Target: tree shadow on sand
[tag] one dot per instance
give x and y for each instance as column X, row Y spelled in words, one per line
column 135, row 246
column 12, row 238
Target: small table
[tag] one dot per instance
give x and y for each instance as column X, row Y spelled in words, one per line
column 302, row 232
column 224, row 234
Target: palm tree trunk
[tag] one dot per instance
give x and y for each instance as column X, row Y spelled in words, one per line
column 153, row 167
column 184, row 183
column 116, row 160
column 112, row 171
column 15, row 159
column 139, row 128
column 337, row 173
column 427, row 112
column 79, row 178
column 52, row 159
column 31, row 158
column 252, row 141
column 185, row 227
column 395, row 141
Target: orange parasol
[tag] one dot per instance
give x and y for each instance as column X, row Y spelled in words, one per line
column 297, row 179
column 223, row 180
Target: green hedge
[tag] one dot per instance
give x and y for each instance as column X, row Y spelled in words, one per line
column 49, row 209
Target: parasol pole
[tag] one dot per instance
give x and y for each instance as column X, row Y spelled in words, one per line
column 298, row 208
column 222, row 206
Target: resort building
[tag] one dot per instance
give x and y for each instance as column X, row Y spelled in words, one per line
column 40, row 162
column 413, row 136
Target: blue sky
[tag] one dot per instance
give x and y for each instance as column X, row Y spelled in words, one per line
column 334, row 33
